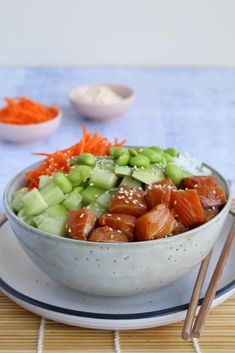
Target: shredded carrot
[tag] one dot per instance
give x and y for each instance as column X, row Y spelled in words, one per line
column 23, row 111
column 57, row 161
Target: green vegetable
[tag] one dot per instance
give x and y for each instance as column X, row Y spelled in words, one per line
column 53, row 212
column 175, row 173
column 157, row 149
column 112, row 150
column 149, row 175
column 84, row 158
column 73, row 201
column 96, row 208
column 26, row 218
column 90, row 194
column 17, row 199
column 133, row 152
column 122, row 170
column 80, row 173
column 119, row 151
column 78, row 189
column 52, row 194
column 128, row 180
column 34, row 203
column 152, row 155
column 139, row 161
column 104, row 199
column 123, row 159
column 63, row 182
column 53, row 225
column 168, row 157
column 44, row 180
column 172, row 152
column 103, row 178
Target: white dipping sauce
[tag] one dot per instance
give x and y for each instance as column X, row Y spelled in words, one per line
column 99, row 94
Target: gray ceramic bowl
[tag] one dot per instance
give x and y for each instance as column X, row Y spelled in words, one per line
column 118, row 269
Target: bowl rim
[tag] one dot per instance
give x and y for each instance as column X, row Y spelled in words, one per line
column 43, row 123
column 130, row 245
column 77, row 100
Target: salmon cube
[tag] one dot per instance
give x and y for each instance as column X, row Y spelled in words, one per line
column 212, row 196
column 108, row 235
column 80, row 223
column 157, row 223
column 128, row 200
column 194, row 182
column 119, row 221
column 159, row 192
column 187, row 207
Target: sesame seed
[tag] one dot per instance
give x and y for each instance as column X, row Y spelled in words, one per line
column 118, row 218
column 81, row 215
column 175, row 202
column 195, row 185
column 213, row 207
column 110, row 228
column 108, row 214
column 126, row 201
column 119, row 231
column 91, row 184
column 69, row 230
column 214, row 192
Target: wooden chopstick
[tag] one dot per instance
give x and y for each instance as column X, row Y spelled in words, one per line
column 211, row 290
column 188, row 323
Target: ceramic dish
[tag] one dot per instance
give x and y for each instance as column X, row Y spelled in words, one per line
column 103, row 111
column 115, row 269
column 32, row 133
column 27, row 285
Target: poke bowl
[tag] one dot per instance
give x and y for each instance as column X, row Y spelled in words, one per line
column 135, row 253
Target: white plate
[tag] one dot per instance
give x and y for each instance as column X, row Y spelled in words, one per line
column 24, row 283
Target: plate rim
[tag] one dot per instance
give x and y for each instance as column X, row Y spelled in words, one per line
column 131, row 316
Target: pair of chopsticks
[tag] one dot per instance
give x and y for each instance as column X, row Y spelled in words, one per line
column 194, row 328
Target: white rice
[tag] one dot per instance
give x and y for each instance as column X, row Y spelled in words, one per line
column 191, row 164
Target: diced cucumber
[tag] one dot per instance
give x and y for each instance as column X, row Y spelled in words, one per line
column 53, row 211
column 62, row 182
column 52, row 194
column 44, row 180
column 90, row 194
column 73, row 201
column 103, row 178
column 128, row 180
column 104, row 199
column 17, row 199
column 148, row 175
column 96, row 208
column 105, row 162
column 53, row 225
column 34, row 203
column 122, row 170
column 26, row 218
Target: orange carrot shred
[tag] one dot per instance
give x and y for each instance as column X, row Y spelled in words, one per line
column 57, row 161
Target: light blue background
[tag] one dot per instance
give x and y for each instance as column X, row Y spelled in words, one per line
column 190, row 109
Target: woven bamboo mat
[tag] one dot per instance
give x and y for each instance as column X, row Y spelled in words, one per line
column 19, row 332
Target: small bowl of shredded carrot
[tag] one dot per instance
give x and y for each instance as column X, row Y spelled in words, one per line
column 23, row 120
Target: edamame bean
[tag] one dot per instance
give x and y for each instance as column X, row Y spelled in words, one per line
column 85, row 172
column 153, row 156
column 119, row 151
column 169, row 158
column 133, row 152
column 86, row 159
column 172, row 152
column 139, row 161
column 78, row 189
column 175, row 173
column 62, row 182
column 123, row 159
column 75, row 175
column 111, row 150
column 157, row 149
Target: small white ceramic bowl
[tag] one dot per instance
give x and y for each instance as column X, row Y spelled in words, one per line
column 102, row 111
column 31, row 133
column 115, row 269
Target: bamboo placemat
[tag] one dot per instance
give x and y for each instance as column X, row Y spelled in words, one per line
column 19, row 332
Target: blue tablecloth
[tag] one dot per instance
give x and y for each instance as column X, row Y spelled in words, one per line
column 190, row 109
